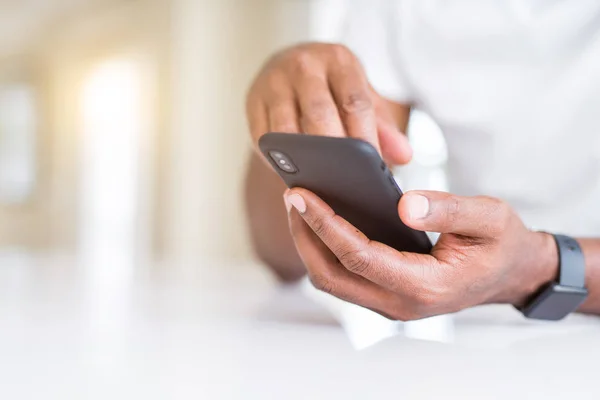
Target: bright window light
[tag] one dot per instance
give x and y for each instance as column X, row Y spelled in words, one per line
column 111, row 136
column 112, row 125
column 111, row 131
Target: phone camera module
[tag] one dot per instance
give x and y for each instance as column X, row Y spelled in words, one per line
column 283, row 162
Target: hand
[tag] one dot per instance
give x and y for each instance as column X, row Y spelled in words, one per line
column 484, row 255
column 321, row 89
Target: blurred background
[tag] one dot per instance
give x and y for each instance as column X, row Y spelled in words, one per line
column 122, row 121
column 123, row 149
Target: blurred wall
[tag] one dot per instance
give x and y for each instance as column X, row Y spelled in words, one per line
column 218, row 48
column 54, row 46
column 199, row 58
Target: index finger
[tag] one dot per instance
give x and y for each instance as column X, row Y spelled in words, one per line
column 319, row 114
column 395, row 270
column 352, row 94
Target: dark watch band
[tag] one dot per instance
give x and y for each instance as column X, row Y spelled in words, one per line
column 556, row 300
column 571, row 262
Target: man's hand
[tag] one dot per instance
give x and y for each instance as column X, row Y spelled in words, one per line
column 484, row 255
column 321, row 89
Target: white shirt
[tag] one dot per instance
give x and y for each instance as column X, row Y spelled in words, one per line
column 513, row 84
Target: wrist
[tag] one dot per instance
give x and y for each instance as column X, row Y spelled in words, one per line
column 538, row 266
column 541, row 267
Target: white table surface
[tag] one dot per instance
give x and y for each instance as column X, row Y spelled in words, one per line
column 98, row 328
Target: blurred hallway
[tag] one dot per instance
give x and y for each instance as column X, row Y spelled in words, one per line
column 126, row 119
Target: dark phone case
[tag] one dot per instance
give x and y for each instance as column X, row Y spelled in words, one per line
column 349, row 175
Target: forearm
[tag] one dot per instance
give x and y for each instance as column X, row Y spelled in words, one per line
column 591, row 251
column 268, row 221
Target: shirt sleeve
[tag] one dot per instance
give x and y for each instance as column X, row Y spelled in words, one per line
column 370, row 30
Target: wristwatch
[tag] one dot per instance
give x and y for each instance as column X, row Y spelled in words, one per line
column 558, row 299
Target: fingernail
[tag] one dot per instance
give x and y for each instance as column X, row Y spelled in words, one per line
column 418, row 206
column 297, row 202
column 288, row 205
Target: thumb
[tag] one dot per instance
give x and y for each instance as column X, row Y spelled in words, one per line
column 481, row 216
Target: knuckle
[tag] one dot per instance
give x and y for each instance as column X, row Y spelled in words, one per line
column 427, row 300
column 356, row 261
column 319, row 110
column 422, row 302
column 302, row 61
column 322, row 282
column 452, row 210
column 356, row 103
column 500, row 214
column 320, row 226
column 340, row 52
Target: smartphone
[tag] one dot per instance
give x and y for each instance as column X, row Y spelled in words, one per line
column 350, row 176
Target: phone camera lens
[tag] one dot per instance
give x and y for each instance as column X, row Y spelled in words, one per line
column 283, row 162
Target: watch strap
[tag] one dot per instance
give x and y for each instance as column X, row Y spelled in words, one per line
column 571, row 262
column 559, row 298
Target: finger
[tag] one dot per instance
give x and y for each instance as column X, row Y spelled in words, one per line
column 318, row 112
column 258, row 119
column 281, row 106
column 351, row 92
column 483, row 217
column 394, row 270
column 328, row 275
column 395, row 147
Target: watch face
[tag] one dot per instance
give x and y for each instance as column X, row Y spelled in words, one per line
column 556, row 302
